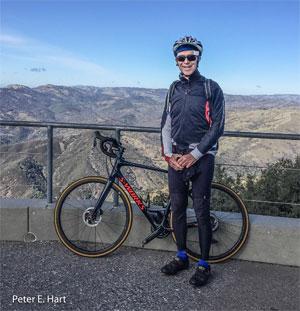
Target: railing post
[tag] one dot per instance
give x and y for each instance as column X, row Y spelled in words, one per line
column 118, row 138
column 49, row 162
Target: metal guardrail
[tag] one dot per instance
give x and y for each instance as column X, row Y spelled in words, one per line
column 51, row 125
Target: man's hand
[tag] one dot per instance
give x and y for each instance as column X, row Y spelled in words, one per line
column 174, row 163
column 186, row 160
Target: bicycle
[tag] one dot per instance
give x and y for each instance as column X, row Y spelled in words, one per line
column 90, row 222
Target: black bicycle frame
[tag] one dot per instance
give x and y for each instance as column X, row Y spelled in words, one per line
column 116, row 173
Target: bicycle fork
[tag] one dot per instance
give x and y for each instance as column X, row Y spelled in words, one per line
column 97, row 209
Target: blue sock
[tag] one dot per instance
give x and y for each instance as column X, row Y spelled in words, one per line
column 203, row 263
column 182, row 255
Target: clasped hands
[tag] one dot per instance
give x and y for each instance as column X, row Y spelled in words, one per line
column 179, row 162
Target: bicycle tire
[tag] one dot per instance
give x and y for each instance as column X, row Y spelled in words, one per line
column 121, row 213
column 241, row 211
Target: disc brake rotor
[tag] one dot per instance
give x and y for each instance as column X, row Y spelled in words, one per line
column 87, row 218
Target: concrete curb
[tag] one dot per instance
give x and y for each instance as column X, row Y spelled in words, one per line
column 271, row 239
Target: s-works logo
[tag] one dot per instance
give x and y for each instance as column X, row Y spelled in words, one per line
column 132, row 193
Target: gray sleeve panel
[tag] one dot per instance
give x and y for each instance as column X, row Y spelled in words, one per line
column 165, row 126
column 166, row 136
column 218, row 120
column 196, row 153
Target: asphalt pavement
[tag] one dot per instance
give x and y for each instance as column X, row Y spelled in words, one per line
column 46, row 276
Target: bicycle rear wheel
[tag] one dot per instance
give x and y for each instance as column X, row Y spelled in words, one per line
column 101, row 236
column 230, row 225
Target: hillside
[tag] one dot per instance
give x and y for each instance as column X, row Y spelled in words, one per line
column 74, row 156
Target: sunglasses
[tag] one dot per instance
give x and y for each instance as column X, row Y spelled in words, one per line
column 182, row 58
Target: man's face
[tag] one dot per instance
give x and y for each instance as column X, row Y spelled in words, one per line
column 186, row 67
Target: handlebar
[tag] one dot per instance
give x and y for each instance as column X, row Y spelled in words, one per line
column 109, row 146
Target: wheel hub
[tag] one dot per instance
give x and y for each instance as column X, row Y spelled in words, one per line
column 88, row 219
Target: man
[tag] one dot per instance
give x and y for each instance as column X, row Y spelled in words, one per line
column 192, row 122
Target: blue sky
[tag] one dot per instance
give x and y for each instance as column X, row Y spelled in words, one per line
column 250, row 47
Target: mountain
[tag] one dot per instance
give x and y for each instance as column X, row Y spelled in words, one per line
column 81, row 104
column 74, row 156
column 130, row 106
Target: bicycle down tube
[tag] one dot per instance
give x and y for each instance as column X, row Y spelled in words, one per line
column 116, row 173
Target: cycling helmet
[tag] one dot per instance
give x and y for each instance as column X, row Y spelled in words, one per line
column 187, row 42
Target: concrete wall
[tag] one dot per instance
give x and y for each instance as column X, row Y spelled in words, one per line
column 271, row 239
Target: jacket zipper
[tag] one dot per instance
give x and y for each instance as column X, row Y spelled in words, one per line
column 183, row 111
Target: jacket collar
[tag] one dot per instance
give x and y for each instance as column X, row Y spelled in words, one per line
column 194, row 77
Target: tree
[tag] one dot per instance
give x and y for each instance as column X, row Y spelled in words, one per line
column 33, row 172
column 276, row 191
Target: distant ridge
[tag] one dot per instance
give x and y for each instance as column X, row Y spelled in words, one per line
column 113, row 105
column 87, row 87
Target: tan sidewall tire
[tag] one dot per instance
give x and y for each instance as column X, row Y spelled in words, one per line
column 247, row 225
column 67, row 190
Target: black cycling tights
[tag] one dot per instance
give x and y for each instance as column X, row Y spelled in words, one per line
column 201, row 188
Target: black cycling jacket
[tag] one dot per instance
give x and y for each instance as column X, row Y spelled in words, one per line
column 185, row 123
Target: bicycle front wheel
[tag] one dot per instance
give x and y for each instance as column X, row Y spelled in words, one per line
column 106, row 232
column 230, row 225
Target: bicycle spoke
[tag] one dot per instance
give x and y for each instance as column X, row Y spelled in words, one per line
column 110, row 227
column 99, row 237
column 222, row 237
column 73, row 218
column 231, row 224
column 105, row 210
column 88, row 239
column 77, row 232
column 111, row 223
column 95, row 240
column 69, row 225
column 76, row 207
column 227, row 230
column 230, row 218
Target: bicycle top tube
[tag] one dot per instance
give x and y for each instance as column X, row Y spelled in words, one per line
column 123, row 162
column 114, row 149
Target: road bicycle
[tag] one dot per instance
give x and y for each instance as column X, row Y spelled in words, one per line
column 93, row 215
